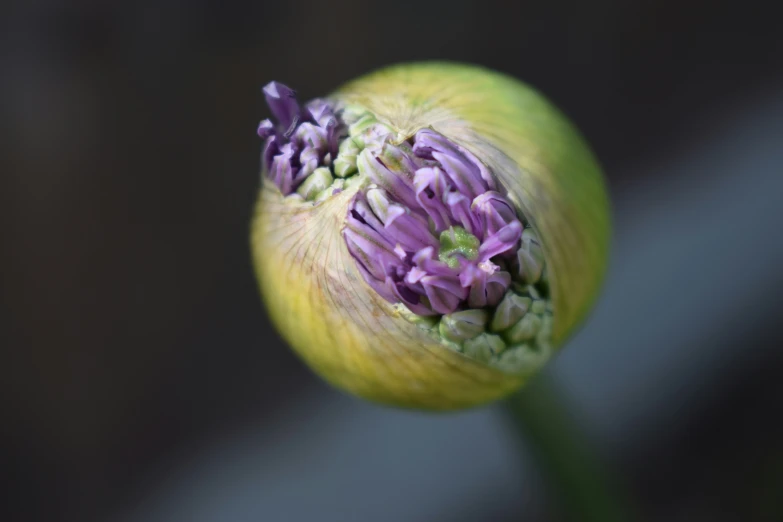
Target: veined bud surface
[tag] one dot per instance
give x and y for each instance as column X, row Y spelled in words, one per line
column 429, row 235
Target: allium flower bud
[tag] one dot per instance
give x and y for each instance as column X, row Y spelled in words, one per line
column 428, row 235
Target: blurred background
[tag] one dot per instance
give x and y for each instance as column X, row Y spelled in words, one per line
column 142, row 380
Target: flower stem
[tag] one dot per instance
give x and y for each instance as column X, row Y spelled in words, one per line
column 582, row 485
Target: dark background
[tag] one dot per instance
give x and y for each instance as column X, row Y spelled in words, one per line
column 134, row 339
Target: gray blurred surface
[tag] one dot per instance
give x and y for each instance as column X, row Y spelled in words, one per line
column 695, row 267
column 339, row 459
column 695, row 270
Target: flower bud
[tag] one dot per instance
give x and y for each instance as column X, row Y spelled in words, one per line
column 530, row 258
column 462, row 326
column 428, row 235
column 511, row 309
column 525, row 329
column 316, row 183
column 484, row 347
column 345, row 163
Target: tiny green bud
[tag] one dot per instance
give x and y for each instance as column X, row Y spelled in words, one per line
column 328, row 192
column 521, row 359
column 315, row 183
column 367, row 129
column 484, row 347
column 510, row 310
column 461, row 326
column 373, row 133
column 525, row 330
column 539, row 307
column 345, row 163
column 530, row 257
column 360, row 125
column 353, row 181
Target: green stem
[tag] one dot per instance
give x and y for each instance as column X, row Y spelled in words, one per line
column 581, row 483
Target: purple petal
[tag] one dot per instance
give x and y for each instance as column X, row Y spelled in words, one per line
column 265, row 129
column 486, row 289
column 497, row 284
column 395, row 292
column 427, row 141
column 475, row 279
column 379, row 285
column 358, row 222
column 450, row 284
column 308, row 135
column 333, row 134
column 282, row 174
column 409, row 298
column 309, row 160
column 426, row 260
column 462, row 174
column 459, row 206
column 466, row 173
column 495, row 212
column 385, row 210
column 366, row 215
column 320, row 111
column 401, row 226
column 411, row 232
column 378, row 261
column 484, row 173
column 282, row 171
column 270, row 151
column 282, row 103
column 444, row 293
column 386, row 179
column 431, row 184
column 415, row 275
column 503, row 240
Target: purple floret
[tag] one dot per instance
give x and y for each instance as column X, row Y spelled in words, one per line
column 282, row 103
column 393, row 228
column 303, row 139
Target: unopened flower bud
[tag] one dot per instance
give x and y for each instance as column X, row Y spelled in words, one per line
column 461, row 326
column 510, row 310
column 345, row 163
column 530, row 258
column 428, row 235
column 317, row 182
column 525, row 329
column 483, row 347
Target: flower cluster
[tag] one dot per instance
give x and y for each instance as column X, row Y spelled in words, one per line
column 431, row 231
column 304, row 139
